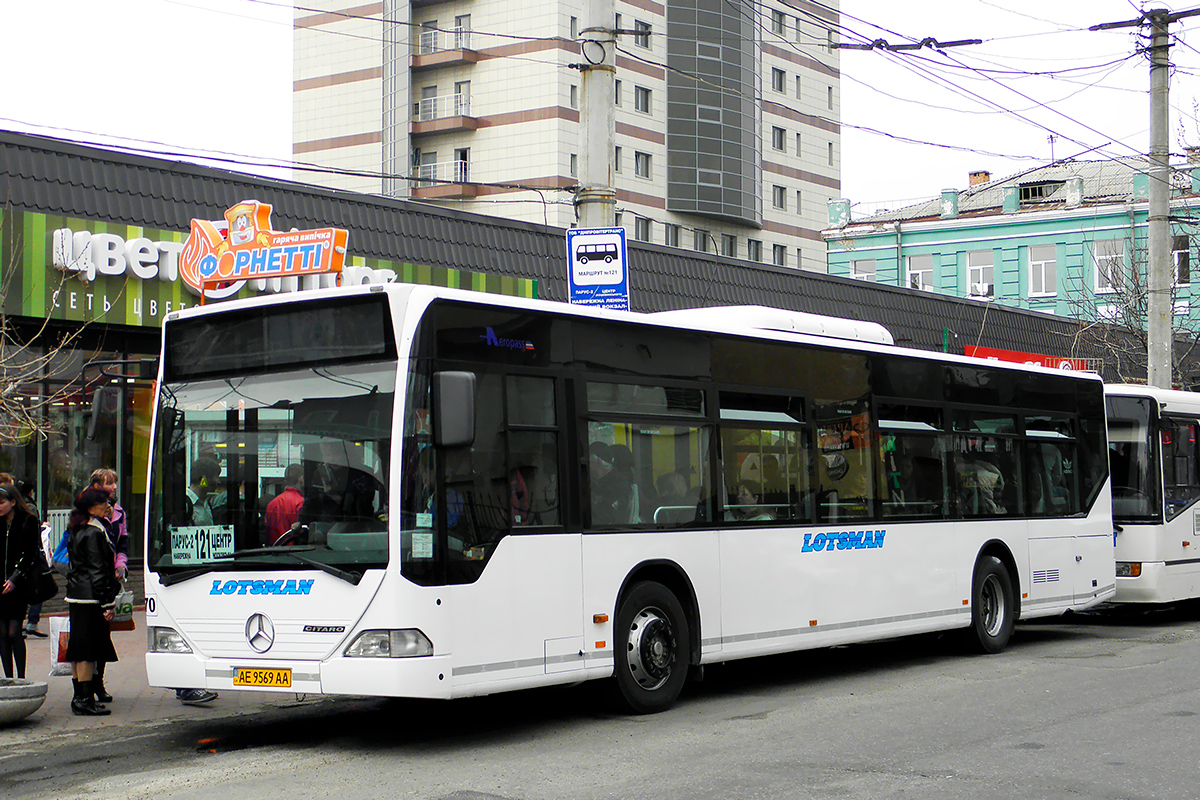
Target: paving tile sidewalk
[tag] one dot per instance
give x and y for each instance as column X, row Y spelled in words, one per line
column 135, row 701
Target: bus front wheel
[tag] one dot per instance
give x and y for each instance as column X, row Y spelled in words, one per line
column 993, row 606
column 651, row 648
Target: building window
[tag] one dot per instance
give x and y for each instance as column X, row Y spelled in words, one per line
column 462, row 32
column 979, row 273
column 779, row 197
column 574, row 26
column 778, row 80
column 617, row 219
column 641, row 229
column 729, row 245
column 1043, row 271
column 574, row 96
column 829, row 100
column 641, row 164
column 779, row 139
column 863, row 269
column 920, row 272
column 617, row 159
column 641, row 99
column 799, row 88
column 616, row 93
column 830, row 40
column 777, row 22
column 799, row 196
column 799, row 30
column 831, row 154
column 641, row 33
column 1182, row 308
column 779, row 255
column 700, row 240
column 671, row 235
column 1109, row 255
column 574, row 165
column 798, row 150
column 462, row 99
column 754, row 249
column 1180, row 250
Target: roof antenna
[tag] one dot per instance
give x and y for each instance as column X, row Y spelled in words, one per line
column 1051, row 139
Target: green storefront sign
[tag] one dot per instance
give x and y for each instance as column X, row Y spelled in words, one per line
column 47, row 260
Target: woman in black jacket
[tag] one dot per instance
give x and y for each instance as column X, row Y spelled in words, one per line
column 21, row 543
column 92, row 589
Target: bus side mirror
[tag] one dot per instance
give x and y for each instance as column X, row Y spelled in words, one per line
column 453, row 409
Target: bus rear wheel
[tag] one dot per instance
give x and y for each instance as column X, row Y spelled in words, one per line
column 993, row 606
column 651, row 648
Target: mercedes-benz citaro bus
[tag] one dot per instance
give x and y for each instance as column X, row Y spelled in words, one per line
column 483, row 493
column 1155, row 468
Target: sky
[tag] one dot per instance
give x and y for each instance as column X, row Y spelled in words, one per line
column 192, row 78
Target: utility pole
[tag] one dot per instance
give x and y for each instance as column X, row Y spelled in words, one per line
column 596, row 199
column 1159, row 339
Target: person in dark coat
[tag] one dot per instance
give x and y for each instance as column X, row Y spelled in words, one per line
column 92, row 588
column 20, row 543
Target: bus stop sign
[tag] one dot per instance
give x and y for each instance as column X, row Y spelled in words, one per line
column 597, row 268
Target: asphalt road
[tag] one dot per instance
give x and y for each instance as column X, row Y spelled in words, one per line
column 1101, row 705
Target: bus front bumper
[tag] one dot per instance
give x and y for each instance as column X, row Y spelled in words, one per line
column 425, row 676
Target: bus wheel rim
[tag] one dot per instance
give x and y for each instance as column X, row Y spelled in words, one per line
column 991, row 605
column 651, row 649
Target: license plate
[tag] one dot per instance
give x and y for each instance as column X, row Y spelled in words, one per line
column 275, row 678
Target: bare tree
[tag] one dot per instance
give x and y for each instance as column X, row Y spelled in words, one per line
column 1112, row 317
column 28, row 358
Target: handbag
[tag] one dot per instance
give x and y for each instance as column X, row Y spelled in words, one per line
column 42, row 587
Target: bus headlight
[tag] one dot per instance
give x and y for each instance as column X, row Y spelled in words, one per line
column 1129, row 569
column 406, row 643
column 165, row 640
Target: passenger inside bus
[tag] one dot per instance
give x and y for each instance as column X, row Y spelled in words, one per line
column 614, row 493
column 747, row 503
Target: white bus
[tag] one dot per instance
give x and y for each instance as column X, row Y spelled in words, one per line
column 502, row 493
column 1155, row 485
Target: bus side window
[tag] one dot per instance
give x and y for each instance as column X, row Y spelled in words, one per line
column 1181, row 478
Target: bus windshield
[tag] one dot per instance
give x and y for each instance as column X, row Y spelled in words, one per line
column 253, row 470
column 1135, row 487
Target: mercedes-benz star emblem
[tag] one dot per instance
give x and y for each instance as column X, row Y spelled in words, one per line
column 260, row 632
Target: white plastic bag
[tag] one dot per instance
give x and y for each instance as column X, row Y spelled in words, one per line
column 60, row 633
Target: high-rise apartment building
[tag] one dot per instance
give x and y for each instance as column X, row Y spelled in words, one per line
column 727, row 133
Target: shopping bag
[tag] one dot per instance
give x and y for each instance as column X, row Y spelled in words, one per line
column 60, row 633
column 123, row 613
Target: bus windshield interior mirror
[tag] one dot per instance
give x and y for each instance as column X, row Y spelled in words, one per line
column 453, row 409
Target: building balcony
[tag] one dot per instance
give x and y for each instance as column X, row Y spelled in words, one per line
column 451, row 112
column 442, row 49
column 444, row 180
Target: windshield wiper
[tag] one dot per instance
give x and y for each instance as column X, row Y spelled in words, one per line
column 172, row 578
column 294, row 552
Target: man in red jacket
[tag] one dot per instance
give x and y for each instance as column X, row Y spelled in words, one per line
column 284, row 510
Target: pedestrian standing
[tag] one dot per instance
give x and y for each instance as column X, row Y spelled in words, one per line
column 19, row 530
column 92, row 589
column 105, row 479
column 28, row 490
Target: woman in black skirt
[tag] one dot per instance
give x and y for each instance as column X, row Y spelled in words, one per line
column 20, row 542
column 91, row 596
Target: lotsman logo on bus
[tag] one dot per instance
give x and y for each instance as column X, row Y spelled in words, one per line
column 261, row 587
column 493, row 340
column 842, row 540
